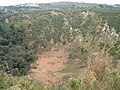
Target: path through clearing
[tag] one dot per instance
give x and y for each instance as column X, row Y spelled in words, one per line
column 48, row 63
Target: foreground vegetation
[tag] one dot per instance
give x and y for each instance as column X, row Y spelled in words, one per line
column 98, row 76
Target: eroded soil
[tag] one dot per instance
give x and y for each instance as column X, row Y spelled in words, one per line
column 48, row 63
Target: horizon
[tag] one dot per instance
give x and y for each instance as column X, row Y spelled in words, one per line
column 17, row 2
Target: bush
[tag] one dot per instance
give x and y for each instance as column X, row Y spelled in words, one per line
column 7, row 82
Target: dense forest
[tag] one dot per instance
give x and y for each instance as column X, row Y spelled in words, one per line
column 92, row 36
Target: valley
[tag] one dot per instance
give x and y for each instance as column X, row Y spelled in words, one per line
column 60, row 49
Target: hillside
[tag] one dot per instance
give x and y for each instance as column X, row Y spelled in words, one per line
column 65, row 4
column 73, row 49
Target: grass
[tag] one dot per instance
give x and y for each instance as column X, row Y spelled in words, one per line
column 98, row 75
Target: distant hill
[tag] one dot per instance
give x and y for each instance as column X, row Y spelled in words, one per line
column 37, row 6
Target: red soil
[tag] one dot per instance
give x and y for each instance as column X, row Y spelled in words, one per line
column 48, row 63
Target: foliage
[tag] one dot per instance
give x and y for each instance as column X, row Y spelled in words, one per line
column 23, row 34
column 7, row 82
column 15, row 53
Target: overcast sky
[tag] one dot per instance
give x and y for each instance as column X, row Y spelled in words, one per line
column 14, row 2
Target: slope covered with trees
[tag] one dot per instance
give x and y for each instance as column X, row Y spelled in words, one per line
column 93, row 45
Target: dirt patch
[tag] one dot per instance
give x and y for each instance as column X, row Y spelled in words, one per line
column 48, row 63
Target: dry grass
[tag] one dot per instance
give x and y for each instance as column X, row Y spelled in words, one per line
column 96, row 69
column 99, row 65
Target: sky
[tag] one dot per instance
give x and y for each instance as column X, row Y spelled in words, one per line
column 15, row 2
